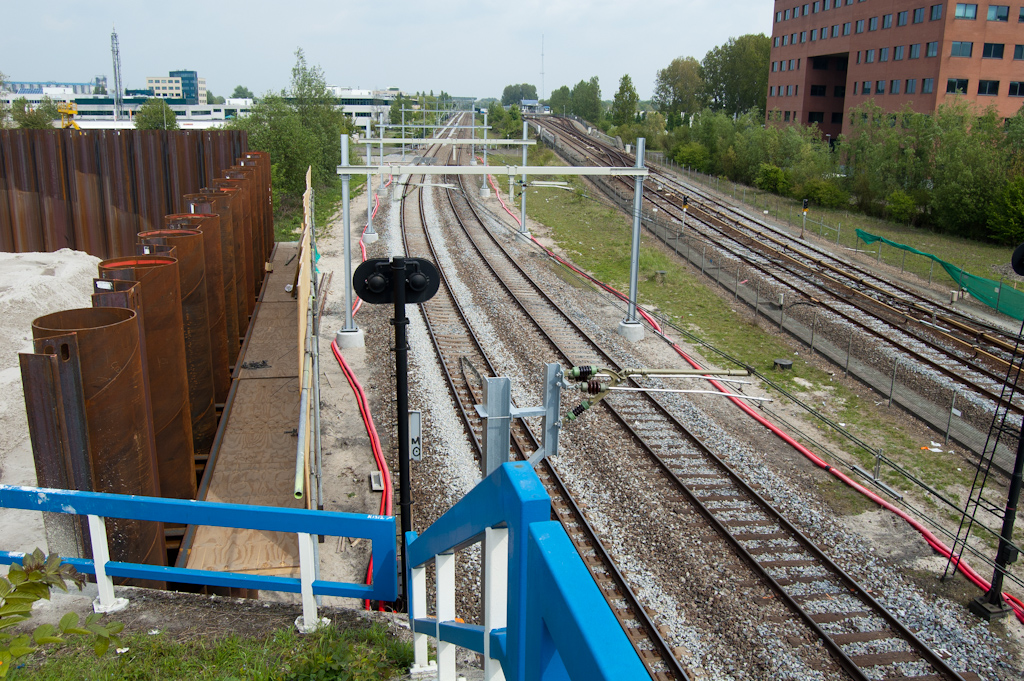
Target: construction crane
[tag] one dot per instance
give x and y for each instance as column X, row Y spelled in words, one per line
column 115, row 50
column 67, row 111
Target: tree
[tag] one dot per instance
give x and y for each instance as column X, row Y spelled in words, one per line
column 586, row 100
column 4, row 111
column 678, row 89
column 1006, row 214
column 561, row 101
column 213, row 99
column 514, row 94
column 99, row 90
column 736, row 74
column 315, row 105
column 242, row 92
column 40, row 117
column 155, row 114
column 625, row 102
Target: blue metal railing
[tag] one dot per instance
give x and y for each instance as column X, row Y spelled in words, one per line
column 380, row 530
column 543, row 615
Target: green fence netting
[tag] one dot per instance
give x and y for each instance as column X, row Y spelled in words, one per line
column 1005, row 299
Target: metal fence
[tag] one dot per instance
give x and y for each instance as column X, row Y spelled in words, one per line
column 380, row 530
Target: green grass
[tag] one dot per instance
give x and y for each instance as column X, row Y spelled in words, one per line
column 357, row 654
column 288, row 212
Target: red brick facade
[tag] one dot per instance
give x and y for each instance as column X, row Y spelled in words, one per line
column 901, row 52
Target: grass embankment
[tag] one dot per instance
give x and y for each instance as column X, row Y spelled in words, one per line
column 359, row 654
column 597, row 237
column 288, row 211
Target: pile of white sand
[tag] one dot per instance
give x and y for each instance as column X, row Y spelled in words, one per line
column 31, row 285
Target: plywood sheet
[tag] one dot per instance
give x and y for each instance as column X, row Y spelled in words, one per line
column 271, row 340
column 254, row 465
column 283, row 274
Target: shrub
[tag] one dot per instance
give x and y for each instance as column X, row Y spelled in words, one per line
column 900, row 206
column 824, row 193
column 772, row 178
column 694, row 155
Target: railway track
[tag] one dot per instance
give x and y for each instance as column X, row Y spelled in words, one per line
column 465, row 364
column 860, row 635
column 974, row 358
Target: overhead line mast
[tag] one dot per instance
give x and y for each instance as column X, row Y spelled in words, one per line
column 115, row 51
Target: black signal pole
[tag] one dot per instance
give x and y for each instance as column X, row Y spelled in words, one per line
column 400, row 323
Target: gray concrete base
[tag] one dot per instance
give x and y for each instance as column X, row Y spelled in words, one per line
column 370, row 237
column 485, row 192
column 349, row 339
column 525, row 236
column 472, row 161
column 631, row 331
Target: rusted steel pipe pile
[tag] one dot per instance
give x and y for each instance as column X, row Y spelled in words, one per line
column 122, row 397
column 94, row 190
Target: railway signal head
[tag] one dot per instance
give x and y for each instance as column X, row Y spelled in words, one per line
column 373, row 280
column 805, row 205
column 686, row 201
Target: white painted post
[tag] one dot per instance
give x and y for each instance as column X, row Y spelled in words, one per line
column 495, row 593
column 522, row 203
column 308, row 621
column 106, row 602
column 418, row 609
column 444, row 567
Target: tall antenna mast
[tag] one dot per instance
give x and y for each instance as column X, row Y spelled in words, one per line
column 115, row 50
column 542, row 92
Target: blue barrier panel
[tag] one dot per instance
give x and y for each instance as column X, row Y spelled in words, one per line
column 380, row 530
column 558, row 624
column 572, row 632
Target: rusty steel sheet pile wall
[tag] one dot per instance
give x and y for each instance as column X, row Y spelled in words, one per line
column 165, row 349
column 102, row 348
column 94, row 190
column 124, row 397
column 188, row 244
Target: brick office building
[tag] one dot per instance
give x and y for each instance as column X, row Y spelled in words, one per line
column 829, row 56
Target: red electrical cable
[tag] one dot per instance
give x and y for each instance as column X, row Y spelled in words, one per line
column 929, row 537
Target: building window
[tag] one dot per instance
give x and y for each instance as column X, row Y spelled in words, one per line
column 771, row 91
column 992, row 51
column 1018, row 52
column 919, row 15
column 796, row 12
column 883, row 54
column 988, row 87
column 932, row 50
column 873, row 24
column 839, row 91
column 936, row 12
column 818, row 90
column 897, row 53
column 792, row 63
column 854, row 87
column 880, row 87
column 960, row 49
column 901, row 19
column 814, row 34
column 796, row 90
column 860, row 26
column 927, row 86
column 887, row 21
column 846, row 28
column 1020, row 18
column 819, row 63
column 789, row 90
column 858, row 56
column 775, row 66
column 915, row 51
column 869, row 57
column 998, row 12
column 785, row 40
column 807, row 9
column 776, row 44
column 815, row 117
column 894, row 87
column 911, row 86
column 792, row 39
column 966, row 11
column 1016, row 89
column 787, row 15
column 828, row 4
column 786, row 117
column 778, row 17
column 835, row 31
column 956, row 86
column 865, row 88
column 824, row 33
column 837, row 117
column 817, row 7
column 803, row 36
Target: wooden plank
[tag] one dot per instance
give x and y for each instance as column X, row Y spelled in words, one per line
column 272, row 340
column 283, row 274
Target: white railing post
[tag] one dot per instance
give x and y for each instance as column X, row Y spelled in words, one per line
column 418, row 609
column 444, row 568
column 106, row 602
column 308, row 621
column 495, row 593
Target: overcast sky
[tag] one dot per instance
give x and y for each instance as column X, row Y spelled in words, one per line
column 465, row 48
